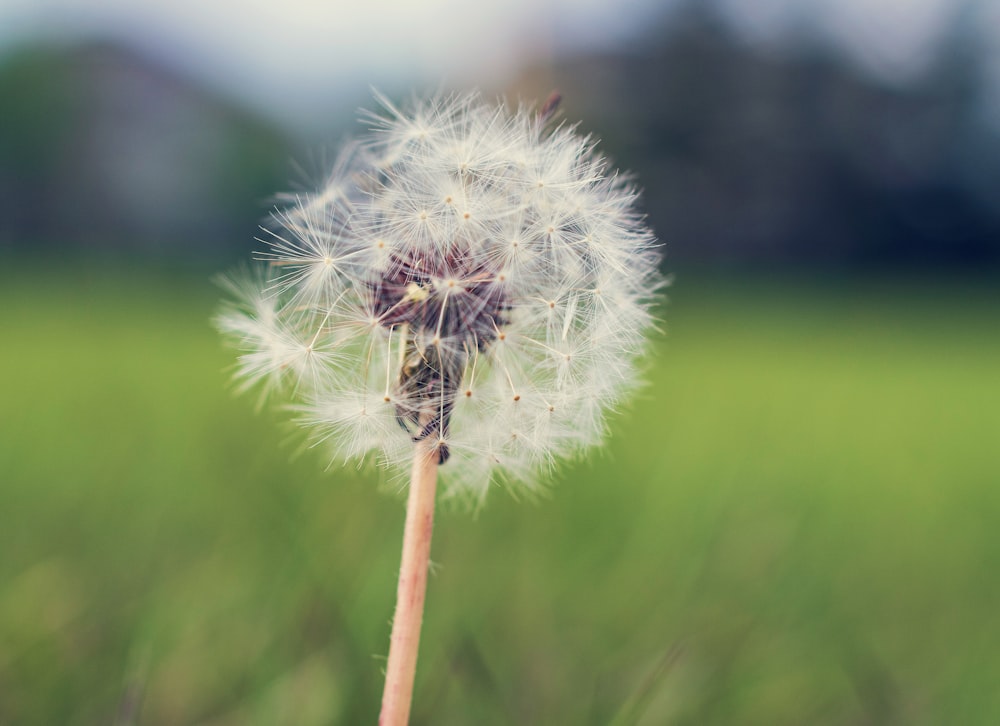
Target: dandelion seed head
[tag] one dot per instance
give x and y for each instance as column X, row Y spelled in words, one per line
column 468, row 276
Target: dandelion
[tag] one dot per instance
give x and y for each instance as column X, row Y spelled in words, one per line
column 469, row 291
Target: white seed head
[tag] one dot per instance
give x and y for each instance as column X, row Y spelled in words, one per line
column 467, row 275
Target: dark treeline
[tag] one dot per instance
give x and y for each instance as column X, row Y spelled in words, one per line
column 794, row 156
column 746, row 156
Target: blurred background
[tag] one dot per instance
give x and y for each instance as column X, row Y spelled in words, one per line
column 797, row 520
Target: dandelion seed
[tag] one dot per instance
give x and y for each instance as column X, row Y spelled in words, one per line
column 371, row 244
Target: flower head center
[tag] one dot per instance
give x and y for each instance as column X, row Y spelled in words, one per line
column 448, row 306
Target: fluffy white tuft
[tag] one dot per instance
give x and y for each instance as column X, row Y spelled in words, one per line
column 466, row 274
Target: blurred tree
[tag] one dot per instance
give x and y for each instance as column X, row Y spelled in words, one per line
column 792, row 154
column 105, row 149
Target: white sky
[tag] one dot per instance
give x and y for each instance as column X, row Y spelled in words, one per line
column 297, row 56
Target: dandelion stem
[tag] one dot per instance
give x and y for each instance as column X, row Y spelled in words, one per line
column 412, row 587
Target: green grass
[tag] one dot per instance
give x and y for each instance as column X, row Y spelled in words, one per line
column 797, row 522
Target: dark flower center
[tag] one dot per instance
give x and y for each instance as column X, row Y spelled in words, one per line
column 448, row 308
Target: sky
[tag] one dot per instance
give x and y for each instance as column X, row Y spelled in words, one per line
column 294, row 59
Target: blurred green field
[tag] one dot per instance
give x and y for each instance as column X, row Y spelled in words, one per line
column 797, row 522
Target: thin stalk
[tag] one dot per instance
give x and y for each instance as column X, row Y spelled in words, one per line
column 412, row 588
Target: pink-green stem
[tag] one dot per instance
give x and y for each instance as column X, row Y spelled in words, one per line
column 412, row 588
